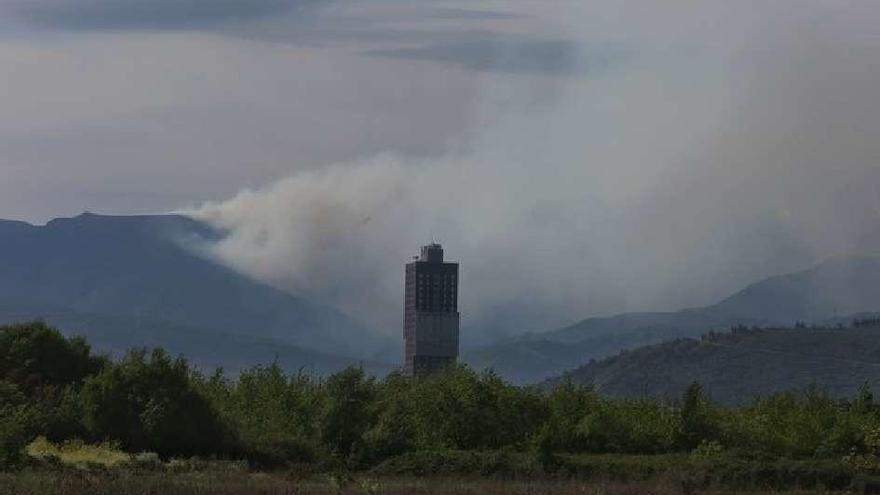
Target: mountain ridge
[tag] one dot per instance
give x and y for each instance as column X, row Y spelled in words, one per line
column 838, row 285
column 154, row 268
column 733, row 367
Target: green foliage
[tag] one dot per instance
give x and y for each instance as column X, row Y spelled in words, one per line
column 48, row 369
column 460, row 409
column 35, row 356
column 347, row 412
column 148, row 403
column 794, row 425
column 391, row 434
column 17, row 424
column 633, row 426
column 698, row 422
column 568, row 405
column 275, row 416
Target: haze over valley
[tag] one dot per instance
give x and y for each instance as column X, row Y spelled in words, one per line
column 132, row 281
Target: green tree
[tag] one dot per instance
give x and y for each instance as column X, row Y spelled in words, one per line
column 276, row 416
column 391, row 434
column 348, row 412
column 568, row 404
column 626, row 425
column 147, row 402
column 17, row 423
column 47, row 369
column 34, row 356
column 697, row 421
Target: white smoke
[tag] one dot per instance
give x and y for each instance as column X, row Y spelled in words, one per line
column 737, row 140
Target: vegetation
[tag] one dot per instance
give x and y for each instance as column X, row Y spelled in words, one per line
column 735, row 366
column 63, row 407
column 238, row 483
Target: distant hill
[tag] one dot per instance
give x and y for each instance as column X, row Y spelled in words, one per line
column 736, row 366
column 140, row 280
column 839, row 286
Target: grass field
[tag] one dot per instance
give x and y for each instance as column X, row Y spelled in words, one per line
column 128, row 483
column 77, row 468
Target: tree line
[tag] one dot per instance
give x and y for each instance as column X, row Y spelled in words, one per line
column 148, row 401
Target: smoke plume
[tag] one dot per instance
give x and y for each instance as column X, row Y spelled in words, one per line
column 727, row 142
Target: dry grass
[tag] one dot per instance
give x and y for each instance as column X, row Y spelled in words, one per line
column 128, row 483
column 77, row 453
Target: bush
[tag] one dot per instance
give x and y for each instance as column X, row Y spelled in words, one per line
column 17, row 424
column 697, row 418
column 462, row 410
column 148, row 403
column 276, row 417
column 146, row 461
column 34, row 356
column 348, row 412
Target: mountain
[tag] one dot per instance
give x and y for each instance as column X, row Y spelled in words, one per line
column 207, row 349
column 736, row 366
column 135, row 278
column 839, row 286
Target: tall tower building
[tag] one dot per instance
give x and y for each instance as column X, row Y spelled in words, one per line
column 430, row 327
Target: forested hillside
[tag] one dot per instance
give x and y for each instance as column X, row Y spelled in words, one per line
column 838, row 287
column 736, row 366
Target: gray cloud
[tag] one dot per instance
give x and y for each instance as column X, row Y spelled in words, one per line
column 151, row 14
column 381, row 22
column 461, row 13
column 492, row 52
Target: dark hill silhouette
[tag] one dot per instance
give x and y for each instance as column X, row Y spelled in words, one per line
column 736, row 366
column 146, row 272
column 839, row 286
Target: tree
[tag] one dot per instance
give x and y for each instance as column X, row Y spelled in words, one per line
column 391, row 433
column 147, row 402
column 275, row 415
column 568, row 405
column 47, row 369
column 696, row 417
column 36, row 356
column 348, row 412
column 17, row 423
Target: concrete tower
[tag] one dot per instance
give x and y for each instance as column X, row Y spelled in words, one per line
column 430, row 327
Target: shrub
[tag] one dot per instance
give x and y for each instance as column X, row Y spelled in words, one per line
column 698, row 422
column 276, row 417
column 148, row 403
column 34, row 355
column 348, row 412
column 17, row 424
column 147, row 461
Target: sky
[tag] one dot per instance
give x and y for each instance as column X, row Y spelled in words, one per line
column 579, row 158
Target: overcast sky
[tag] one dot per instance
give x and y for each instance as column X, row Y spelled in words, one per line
column 579, row 157
column 125, row 106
